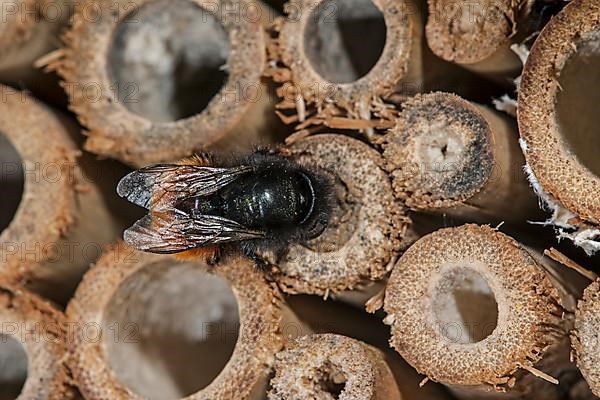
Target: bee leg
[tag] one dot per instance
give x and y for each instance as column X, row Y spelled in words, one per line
column 214, row 258
column 284, row 151
column 273, row 151
column 260, row 262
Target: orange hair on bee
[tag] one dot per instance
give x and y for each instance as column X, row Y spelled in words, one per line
column 207, row 253
column 200, row 159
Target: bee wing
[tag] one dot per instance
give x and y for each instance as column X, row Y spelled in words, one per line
column 162, row 184
column 176, row 231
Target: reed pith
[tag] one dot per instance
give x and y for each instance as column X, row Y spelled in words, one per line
column 366, row 227
column 471, row 308
column 176, row 313
column 558, row 121
column 38, row 329
column 585, row 336
column 326, row 365
column 61, row 220
column 448, row 155
column 322, row 82
column 142, row 111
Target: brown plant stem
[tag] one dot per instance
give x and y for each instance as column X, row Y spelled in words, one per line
column 343, row 319
column 326, row 70
column 450, row 156
column 558, row 118
column 147, row 90
column 477, row 35
column 57, row 221
column 470, row 308
column 585, row 336
column 33, row 347
column 366, row 227
column 158, row 321
column 30, row 29
column 329, row 366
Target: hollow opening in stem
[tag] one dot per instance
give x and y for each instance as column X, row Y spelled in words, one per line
column 577, row 102
column 167, row 60
column 343, row 220
column 331, row 381
column 343, row 40
column 464, row 306
column 170, row 329
column 12, row 181
column 13, row 367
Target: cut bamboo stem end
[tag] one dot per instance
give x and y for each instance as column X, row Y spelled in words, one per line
column 147, row 90
column 32, row 348
column 329, row 366
column 451, row 156
column 335, row 317
column 585, row 336
column 366, row 228
column 470, row 308
column 156, row 319
column 322, row 72
column 57, row 221
column 476, row 35
column 558, row 117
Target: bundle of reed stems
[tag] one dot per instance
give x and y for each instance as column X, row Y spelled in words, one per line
column 445, row 132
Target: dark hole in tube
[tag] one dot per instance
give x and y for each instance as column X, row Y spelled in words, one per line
column 577, row 100
column 12, row 181
column 344, row 39
column 170, row 329
column 168, row 60
column 13, row 367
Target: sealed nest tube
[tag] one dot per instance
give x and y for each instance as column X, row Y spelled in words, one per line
column 558, row 120
column 155, row 327
column 448, row 155
column 366, row 228
column 470, row 308
column 476, row 35
column 147, row 90
column 329, row 366
column 328, row 69
column 32, row 348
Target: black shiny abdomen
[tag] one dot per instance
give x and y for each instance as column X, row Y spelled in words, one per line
column 270, row 198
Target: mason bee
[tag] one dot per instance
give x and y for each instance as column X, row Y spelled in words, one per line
column 197, row 207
